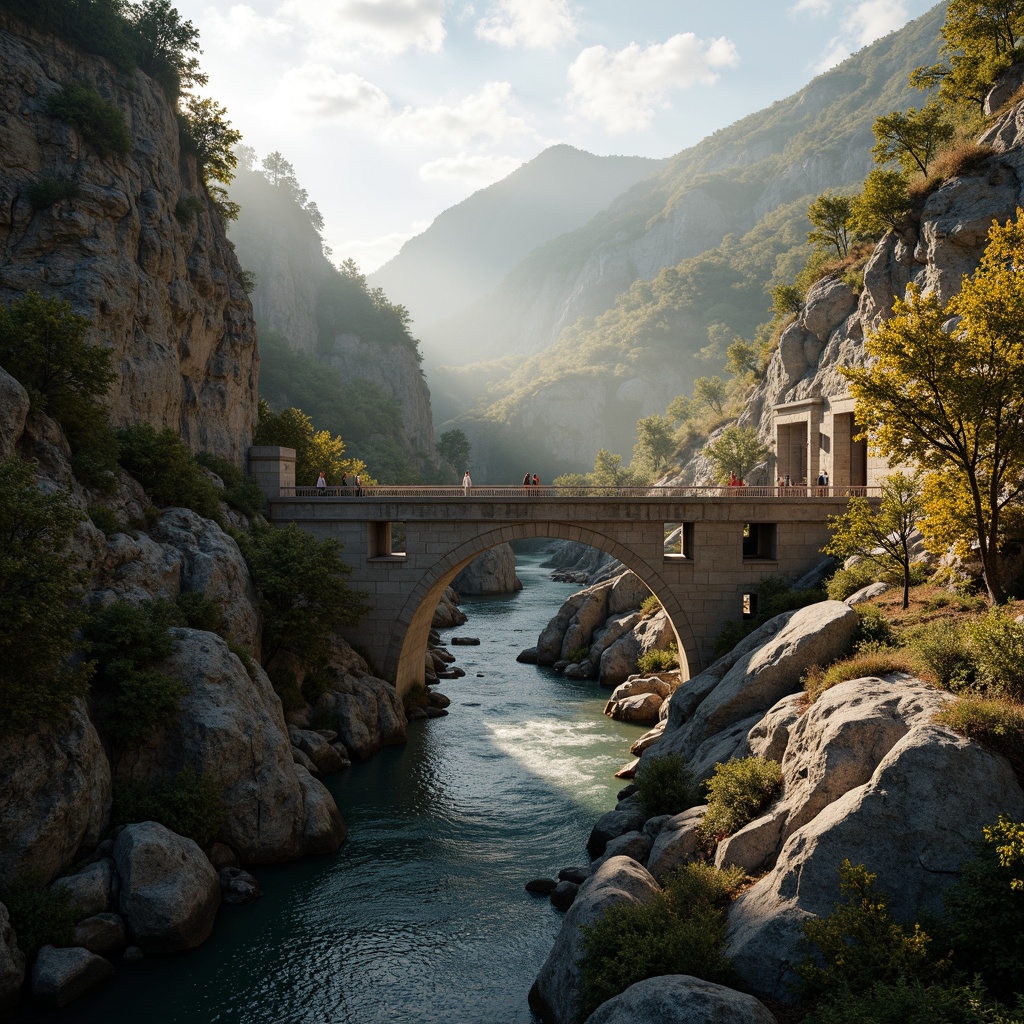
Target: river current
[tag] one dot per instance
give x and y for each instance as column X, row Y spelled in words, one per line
column 422, row 916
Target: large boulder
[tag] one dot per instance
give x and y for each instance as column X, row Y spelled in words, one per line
column 760, row 671
column 62, row 975
column 55, row 793
column 627, row 817
column 170, row 891
column 366, row 712
column 447, row 613
column 89, row 889
column 557, row 994
column 12, row 963
column 677, row 843
column 232, row 727
column 680, row 999
column 901, row 824
column 493, row 572
column 213, row 565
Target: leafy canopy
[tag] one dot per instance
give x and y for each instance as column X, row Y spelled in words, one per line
column 453, row 446
column 40, row 603
column 912, row 138
column 953, row 399
column 736, row 450
column 831, row 216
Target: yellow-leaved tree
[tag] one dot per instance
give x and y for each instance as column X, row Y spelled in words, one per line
column 945, row 387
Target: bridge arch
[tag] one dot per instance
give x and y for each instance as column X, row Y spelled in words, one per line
column 405, row 662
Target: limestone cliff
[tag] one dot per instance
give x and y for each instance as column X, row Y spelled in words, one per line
column 330, row 318
column 164, row 292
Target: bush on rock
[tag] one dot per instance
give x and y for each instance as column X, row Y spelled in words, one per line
column 665, row 785
column 737, row 793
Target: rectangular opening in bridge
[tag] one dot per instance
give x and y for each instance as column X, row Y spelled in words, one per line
column 749, row 606
column 758, row 541
column 386, row 540
column 679, row 540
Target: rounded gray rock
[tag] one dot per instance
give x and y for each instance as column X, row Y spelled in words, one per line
column 680, row 999
column 61, row 975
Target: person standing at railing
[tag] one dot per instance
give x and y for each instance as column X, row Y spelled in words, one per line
column 321, row 484
column 536, row 480
column 466, row 483
column 359, row 486
column 526, row 480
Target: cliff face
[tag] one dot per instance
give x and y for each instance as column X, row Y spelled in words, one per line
column 164, row 296
column 934, row 249
column 302, row 297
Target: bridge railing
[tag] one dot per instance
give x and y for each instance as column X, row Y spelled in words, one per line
column 519, row 492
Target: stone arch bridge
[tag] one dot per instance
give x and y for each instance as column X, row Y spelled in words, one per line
column 406, row 544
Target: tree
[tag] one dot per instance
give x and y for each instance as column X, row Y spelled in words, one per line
column 315, row 450
column 736, row 450
column 912, row 138
column 882, row 204
column 787, row 300
column 710, row 391
column 881, row 536
column 213, row 139
column 741, row 358
column 453, row 446
column 165, row 45
column 831, row 215
column 609, row 471
column 41, row 605
column 681, row 409
column 655, row 442
column 953, row 399
column 304, row 595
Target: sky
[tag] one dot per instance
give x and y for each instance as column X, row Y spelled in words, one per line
column 391, row 111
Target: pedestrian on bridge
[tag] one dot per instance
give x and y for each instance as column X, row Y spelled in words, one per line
column 321, row 484
column 526, row 480
column 466, row 483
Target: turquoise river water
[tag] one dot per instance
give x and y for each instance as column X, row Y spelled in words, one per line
column 421, row 917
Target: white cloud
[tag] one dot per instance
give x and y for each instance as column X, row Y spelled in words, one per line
column 816, row 7
column 241, row 28
column 477, row 171
column 623, row 89
column 321, row 92
column 872, row 19
column 480, row 115
column 385, row 27
column 836, row 52
column 542, row 24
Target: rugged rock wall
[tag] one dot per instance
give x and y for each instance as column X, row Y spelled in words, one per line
column 164, row 294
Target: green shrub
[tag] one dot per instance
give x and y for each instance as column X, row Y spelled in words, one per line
column 40, row 916
column 679, row 931
column 845, row 582
column 940, row 650
column 200, row 612
column 997, row 643
column 101, row 123
column 737, row 793
column 286, row 686
column 665, row 785
column 241, row 492
column 188, row 208
column 649, row 606
column 244, row 655
column 859, row 944
column 415, row 697
column 911, row 1002
column 47, row 192
column 161, row 461
column 658, row 660
column 869, row 661
column 189, row 803
column 985, row 921
column 996, row 723
column 104, row 519
column 578, row 654
column 303, row 591
column 134, row 699
column 873, row 629
column 41, row 606
column 315, row 685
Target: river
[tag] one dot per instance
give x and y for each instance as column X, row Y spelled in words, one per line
column 421, row 917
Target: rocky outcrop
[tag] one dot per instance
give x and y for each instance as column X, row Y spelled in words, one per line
column 366, row 712
column 164, row 292
column 62, row 975
column 169, row 889
column 680, row 999
column 557, row 993
column 12, row 963
column 448, row 613
column 55, row 793
column 231, row 726
column 493, row 572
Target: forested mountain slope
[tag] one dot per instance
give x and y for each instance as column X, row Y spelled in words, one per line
column 616, row 312
column 469, row 248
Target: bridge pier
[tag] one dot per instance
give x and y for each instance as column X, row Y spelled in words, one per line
column 405, row 545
